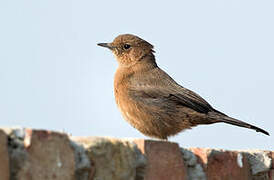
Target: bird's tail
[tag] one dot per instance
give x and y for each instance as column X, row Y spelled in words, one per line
column 216, row 117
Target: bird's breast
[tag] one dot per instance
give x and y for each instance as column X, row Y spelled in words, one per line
column 126, row 106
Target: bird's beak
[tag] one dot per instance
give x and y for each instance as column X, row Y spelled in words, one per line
column 106, row 45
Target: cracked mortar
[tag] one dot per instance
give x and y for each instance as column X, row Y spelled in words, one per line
column 194, row 169
column 258, row 160
column 114, row 159
column 16, row 149
column 82, row 162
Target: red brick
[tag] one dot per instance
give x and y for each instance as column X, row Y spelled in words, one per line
column 224, row 166
column 164, row 160
column 271, row 174
column 271, row 155
column 4, row 157
column 50, row 156
column 271, row 171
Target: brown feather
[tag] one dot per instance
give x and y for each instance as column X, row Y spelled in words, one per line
column 150, row 100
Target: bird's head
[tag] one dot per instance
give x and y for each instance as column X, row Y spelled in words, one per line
column 129, row 49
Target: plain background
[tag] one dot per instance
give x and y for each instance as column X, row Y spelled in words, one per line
column 54, row 76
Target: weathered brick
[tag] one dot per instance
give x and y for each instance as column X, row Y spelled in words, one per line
column 271, row 155
column 223, row 165
column 164, row 160
column 114, row 159
column 227, row 165
column 271, row 174
column 36, row 154
column 49, row 156
column 4, row 157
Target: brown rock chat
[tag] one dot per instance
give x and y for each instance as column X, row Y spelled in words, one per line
column 150, row 100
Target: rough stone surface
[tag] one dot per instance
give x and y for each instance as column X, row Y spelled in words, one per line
column 164, row 160
column 48, row 155
column 113, row 159
column 259, row 160
column 17, row 151
column 4, row 156
column 194, row 167
column 83, row 166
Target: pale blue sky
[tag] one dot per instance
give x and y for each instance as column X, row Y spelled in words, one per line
column 53, row 76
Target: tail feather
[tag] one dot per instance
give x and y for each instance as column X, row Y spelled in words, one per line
column 226, row 119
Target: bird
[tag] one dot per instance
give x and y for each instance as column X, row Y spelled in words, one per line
column 150, row 100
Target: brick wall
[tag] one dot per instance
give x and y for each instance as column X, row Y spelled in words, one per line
column 27, row 154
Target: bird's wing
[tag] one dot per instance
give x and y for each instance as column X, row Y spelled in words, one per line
column 164, row 97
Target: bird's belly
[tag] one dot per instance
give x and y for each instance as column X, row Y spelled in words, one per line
column 149, row 121
column 131, row 113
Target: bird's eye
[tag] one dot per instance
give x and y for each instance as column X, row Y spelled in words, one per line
column 127, row 46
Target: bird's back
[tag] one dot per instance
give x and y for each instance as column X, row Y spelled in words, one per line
column 147, row 104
